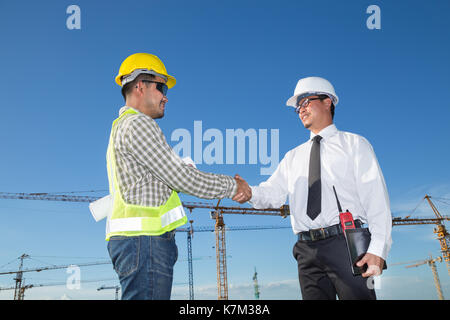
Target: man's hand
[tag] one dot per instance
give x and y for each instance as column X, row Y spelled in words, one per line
column 244, row 192
column 374, row 265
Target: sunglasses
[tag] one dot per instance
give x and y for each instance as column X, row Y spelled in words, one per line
column 306, row 102
column 160, row 86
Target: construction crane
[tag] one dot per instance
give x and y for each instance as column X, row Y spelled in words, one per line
column 19, row 289
column 219, row 228
column 116, row 288
column 432, row 263
column 218, row 212
column 217, row 215
column 440, row 230
column 442, row 234
column 29, row 286
column 221, row 251
column 47, row 196
column 255, row 284
column 283, row 211
column 190, row 233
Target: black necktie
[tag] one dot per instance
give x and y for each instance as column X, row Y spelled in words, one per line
column 314, row 183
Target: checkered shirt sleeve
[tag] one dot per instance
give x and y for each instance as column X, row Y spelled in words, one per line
column 148, row 169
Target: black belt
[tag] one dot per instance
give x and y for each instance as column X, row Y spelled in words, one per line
column 324, row 233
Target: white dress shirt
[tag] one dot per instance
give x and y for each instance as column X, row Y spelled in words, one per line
column 348, row 163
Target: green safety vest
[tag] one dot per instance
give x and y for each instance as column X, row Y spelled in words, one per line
column 134, row 220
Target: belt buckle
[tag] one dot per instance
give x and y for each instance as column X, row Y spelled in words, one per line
column 323, row 233
column 313, row 237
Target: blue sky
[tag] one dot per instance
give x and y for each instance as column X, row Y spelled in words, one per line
column 236, row 64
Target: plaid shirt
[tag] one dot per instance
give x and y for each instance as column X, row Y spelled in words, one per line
column 148, row 169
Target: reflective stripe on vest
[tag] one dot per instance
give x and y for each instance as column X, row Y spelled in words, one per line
column 131, row 220
column 141, row 223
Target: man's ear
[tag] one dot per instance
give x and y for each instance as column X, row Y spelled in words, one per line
column 328, row 103
column 138, row 87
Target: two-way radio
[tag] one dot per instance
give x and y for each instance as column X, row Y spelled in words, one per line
column 346, row 217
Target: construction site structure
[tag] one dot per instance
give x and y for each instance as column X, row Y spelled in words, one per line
column 432, row 263
column 190, row 234
column 29, row 286
column 442, row 234
column 283, row 211
column 255, row 285
column 116, row 288
column 20, row 287
column 221, row 251
column 19, row 291
column 217, row 215
column 218, row 212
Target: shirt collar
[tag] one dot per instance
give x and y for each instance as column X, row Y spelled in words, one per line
column 125, row 108
column 325, row 132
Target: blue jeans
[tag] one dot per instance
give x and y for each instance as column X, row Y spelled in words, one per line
column 144, row 265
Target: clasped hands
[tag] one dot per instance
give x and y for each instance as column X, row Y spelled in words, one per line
column 244, row 192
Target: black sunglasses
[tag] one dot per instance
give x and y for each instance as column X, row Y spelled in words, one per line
column 160, row 86
column 307, row 101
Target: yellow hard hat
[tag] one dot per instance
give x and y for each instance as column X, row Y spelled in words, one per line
column 139, row 63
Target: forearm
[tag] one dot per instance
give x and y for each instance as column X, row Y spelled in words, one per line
column 189, row 180
column 267, row 197
column 273, row 192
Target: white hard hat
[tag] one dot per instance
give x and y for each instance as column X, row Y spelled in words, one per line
column 312, row 86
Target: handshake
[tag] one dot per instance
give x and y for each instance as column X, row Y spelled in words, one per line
column 244, row 192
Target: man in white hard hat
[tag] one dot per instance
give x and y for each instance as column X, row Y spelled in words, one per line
column 145, row 176
column 307, row 175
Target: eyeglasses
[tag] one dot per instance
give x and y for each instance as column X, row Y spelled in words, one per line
column 306, row 102
column 160, row 86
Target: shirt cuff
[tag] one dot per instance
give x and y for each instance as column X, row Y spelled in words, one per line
column 232, row 188
column 379, row 248
column 254, row 201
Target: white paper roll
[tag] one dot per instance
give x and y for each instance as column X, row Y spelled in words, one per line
column 101, row 208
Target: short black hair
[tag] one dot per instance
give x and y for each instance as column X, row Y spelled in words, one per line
column 323, row 97
column 127, row 88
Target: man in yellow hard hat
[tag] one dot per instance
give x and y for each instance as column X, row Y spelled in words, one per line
column 145, row 176
column 308, row 174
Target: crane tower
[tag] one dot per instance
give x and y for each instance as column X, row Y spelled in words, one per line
column 442, row 234
column 255, row 284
